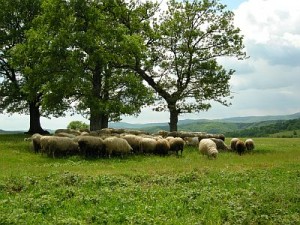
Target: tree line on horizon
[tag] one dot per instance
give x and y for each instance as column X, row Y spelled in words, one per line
column 104, row 59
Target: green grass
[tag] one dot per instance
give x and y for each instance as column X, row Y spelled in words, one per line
column 258, row 188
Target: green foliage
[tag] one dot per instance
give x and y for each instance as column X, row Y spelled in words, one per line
column 16, row 19
column 258, row 188
column 184, row 43
column 78, row 125
column 271, row 129
column 79, row 60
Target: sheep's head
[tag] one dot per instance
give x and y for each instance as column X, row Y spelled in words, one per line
column 214, row 155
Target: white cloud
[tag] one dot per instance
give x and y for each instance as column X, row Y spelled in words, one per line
column 268, row 82
column 268, row 21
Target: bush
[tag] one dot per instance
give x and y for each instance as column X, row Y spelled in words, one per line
column 78, row 125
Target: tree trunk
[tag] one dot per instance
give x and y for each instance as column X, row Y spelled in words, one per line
column 173, row 117
column 99, row 118
column 95, row 112
column 35, row 124
column 95, row 120
column 98, row 121
column 104, row 121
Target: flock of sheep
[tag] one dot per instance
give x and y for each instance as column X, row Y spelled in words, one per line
column 110, row 142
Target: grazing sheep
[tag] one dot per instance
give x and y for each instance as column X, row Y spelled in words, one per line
column 85, row 133
column 220, row 144
column 133, row 141
column 163, row 133
column 233, row 143
column 148, row 145
column 240, row 147
column 69, row 131
column 176, row 144
column 90, row 146
column 162, row 147
column 61, row 146
column 191, row 141
column 44, row 144
column 36, row 142
column 208, row 147
column 63, row 134
column 249, row 143
column 116, row 145
column 221, row 136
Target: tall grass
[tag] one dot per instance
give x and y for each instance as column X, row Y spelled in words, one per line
column 258, row 188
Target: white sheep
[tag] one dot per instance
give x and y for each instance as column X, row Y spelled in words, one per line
column 90, row 146
column 191, row 141
column 69, row 131
column 36, row 142
column 208, row 147
column 133, row 141
column 148, row 145
column 233, row 143
column 249, row 143
column 85, row 133
column 116, row 145
column 63, row 134
column 61, row 146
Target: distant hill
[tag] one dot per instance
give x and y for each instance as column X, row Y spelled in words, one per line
column 211, row 126
column 280, row 128
column 11, row 132
column 235, row 126
column 254, row 119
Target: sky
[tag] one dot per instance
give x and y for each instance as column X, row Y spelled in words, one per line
column 268, row 83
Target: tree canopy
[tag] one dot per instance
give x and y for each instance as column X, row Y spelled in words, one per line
column 15, row 19
column 100, row 58
column 75, row 63
column 181, row 58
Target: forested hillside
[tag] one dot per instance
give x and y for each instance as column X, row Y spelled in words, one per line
column 270, row 130
column 257, row 129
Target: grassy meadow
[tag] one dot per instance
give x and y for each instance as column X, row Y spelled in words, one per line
column 258, row 188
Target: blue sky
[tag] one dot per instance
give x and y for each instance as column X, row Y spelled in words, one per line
column 232, row 4
column 268, row 83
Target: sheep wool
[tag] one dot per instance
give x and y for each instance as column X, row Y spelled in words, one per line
column 233, row 143
column 249, row 143
column 133, row 141
column 36, row 142
column 191, row 141
column 220, row 144
column 44, row 144
column 176, row 144
column 90, row 146
column 240, row 147
column 148, row 145
column 116, row 145
column 162, row 147
column 208, row 147
column 61, row 146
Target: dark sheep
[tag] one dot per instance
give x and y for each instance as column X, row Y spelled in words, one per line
column 162, row 147
column 220, row 144
column 240, row 147
column 90, row 146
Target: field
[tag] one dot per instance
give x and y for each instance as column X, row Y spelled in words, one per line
column 258, row 188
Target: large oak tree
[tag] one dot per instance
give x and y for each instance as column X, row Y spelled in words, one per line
column 15, row 19
column 75, row 47
column 183, row 44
